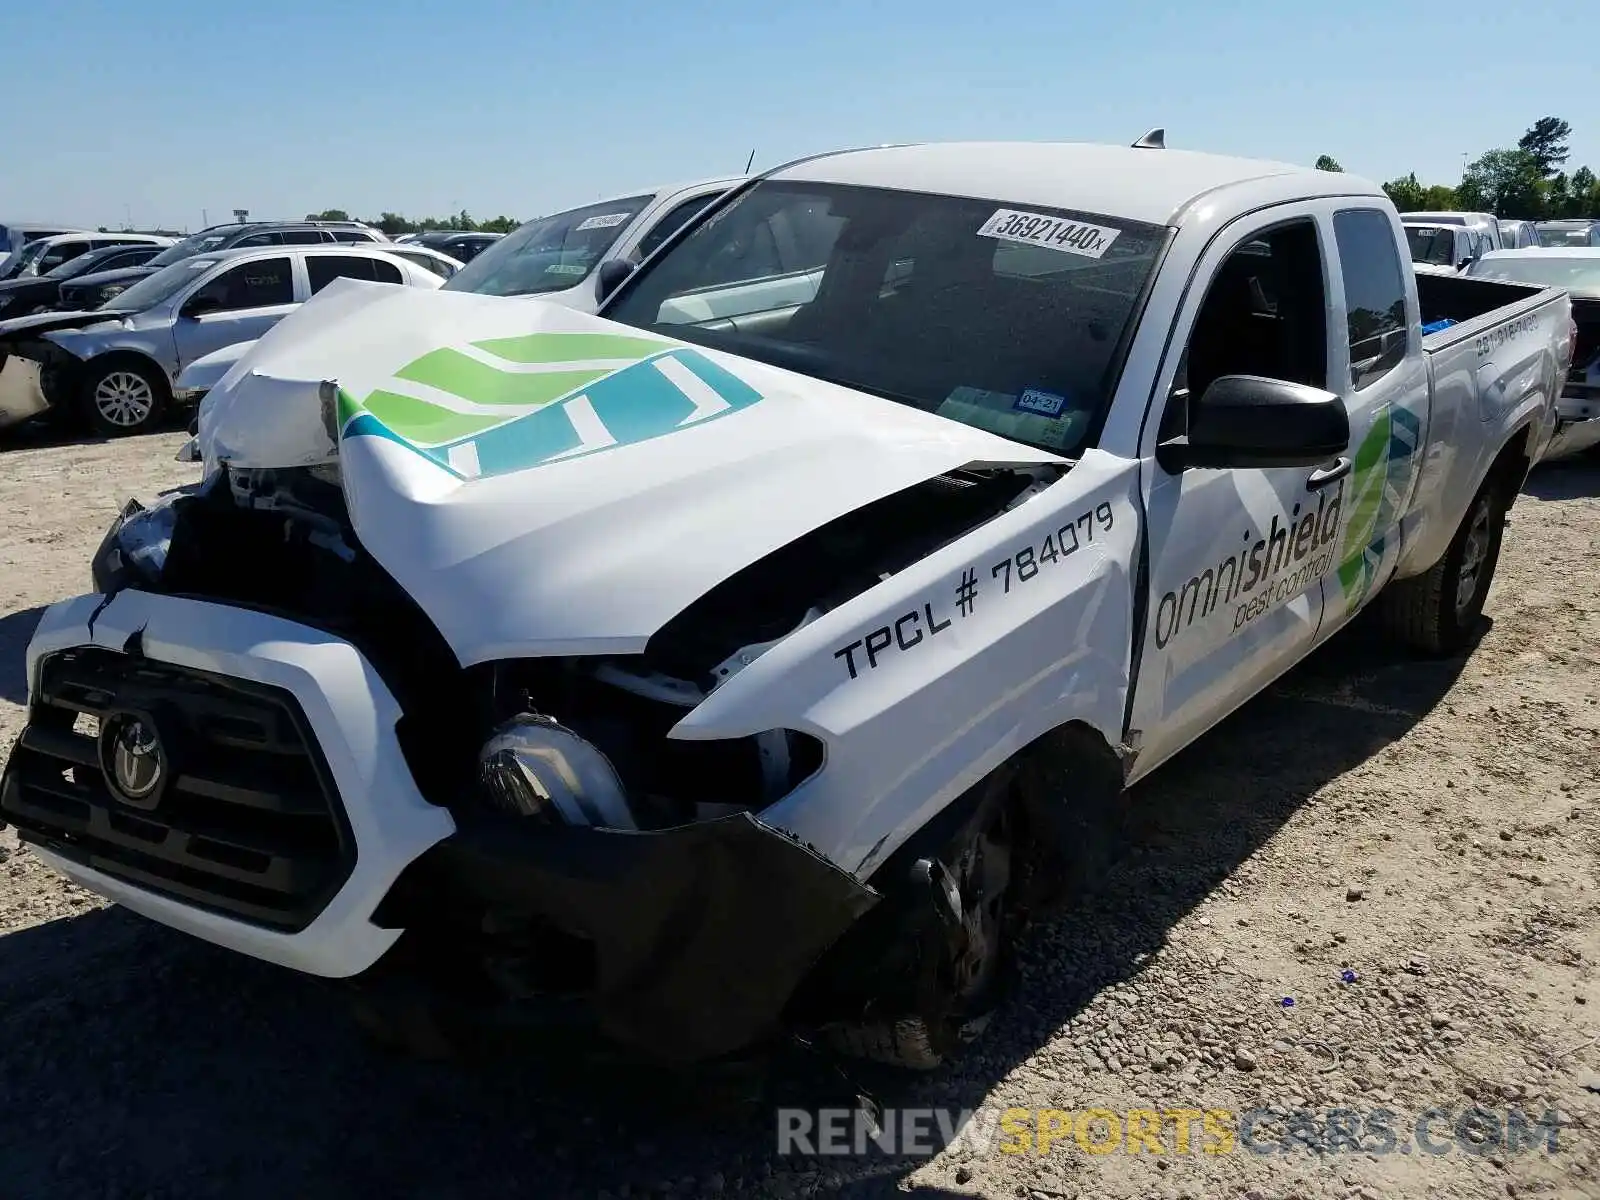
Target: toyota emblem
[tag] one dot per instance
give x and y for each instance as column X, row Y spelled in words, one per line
column 132, row 758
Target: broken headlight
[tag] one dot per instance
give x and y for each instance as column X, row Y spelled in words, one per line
column 134, row 549
column 534, row 766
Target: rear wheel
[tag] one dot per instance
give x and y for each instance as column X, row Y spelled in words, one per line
column 123, row 397
column 1438, row 612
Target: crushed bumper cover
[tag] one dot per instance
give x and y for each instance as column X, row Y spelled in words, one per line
column 1577, row 419
column 700, row 933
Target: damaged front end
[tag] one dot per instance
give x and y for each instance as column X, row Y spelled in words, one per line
column 600, row 870
column 541, row 594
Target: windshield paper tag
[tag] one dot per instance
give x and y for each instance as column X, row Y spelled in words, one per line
column 1046, row 404
column 1053, row 233
column 610, row 220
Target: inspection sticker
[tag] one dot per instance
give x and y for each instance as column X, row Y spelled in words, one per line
column 1053, row 233
column 609, row 221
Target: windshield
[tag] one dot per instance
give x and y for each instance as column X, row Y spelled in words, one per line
column 160, row 287
column 196, row 244
column 1574, row 272
column 1431, row 245
column 549, row 254
column 83, row 264
column 1009, row 318
column 28, row 258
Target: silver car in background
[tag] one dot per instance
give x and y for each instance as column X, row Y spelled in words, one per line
column 555, row 258
column 559, row 257
column 115, row 367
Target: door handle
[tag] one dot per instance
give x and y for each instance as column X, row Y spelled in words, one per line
column 1323, row 476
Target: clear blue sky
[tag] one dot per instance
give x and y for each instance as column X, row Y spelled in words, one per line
column 159, row 109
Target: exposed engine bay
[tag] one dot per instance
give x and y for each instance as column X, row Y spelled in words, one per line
column 578, row 740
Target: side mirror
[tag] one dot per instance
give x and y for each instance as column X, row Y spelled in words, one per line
column 611, row 275
column 1250, row 421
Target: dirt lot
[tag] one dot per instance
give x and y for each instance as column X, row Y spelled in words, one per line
column 1430, row 827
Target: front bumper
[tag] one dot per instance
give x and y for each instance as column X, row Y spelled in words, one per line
column 351, row 715
column 695, row 937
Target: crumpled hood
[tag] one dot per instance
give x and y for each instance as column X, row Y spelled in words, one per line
column 546, row 482
column 43, row 323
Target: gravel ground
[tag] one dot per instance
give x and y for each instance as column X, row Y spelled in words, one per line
column 1430, row 828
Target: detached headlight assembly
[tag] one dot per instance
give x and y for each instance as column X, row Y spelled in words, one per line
column 533, row 766
column 134, row 551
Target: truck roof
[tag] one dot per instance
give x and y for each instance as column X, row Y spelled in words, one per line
column 1144, row 185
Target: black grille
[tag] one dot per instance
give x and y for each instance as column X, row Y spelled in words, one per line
column 249, row 825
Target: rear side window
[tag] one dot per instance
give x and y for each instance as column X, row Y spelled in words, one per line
column 323, row 269
column 1374, row 293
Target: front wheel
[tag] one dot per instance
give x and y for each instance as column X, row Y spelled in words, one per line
column 121, row 398
column 1438, row 612
column 963, row 967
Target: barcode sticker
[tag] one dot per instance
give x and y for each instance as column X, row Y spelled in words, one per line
column 1053, row 233
column 609, row 221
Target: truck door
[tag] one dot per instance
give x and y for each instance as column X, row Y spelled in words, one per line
column 1236, row 557
column 1379, row 370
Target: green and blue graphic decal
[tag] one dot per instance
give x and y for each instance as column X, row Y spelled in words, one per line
column 564, row 395
column 1385, row 464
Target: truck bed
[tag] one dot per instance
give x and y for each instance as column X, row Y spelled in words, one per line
column 1466, row 301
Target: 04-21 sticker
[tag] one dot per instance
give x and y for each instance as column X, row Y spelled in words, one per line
column 1052, row 233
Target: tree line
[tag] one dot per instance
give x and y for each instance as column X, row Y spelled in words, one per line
column 393, row 223
column 1524, row 182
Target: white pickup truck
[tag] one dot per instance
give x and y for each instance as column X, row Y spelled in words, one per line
column 756, row 655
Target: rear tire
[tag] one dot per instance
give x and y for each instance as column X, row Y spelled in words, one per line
column 123, row 396
column 1438, row 612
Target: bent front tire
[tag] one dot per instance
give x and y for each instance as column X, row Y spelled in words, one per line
column 122, row 397
column 1438, row 612
column 960, row 979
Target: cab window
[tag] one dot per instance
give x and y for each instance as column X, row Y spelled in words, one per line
column 1374, row 293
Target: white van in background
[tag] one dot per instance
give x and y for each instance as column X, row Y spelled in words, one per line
column 1486, row 224
column 1438, row 249
column 14, row 235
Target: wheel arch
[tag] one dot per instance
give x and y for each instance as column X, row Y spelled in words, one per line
column 889, row 947
column 1073, row 752
column 129, row 356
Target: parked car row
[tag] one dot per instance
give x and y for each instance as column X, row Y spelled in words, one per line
column 116, row 349
column 1446, row 242
column 108, row 341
